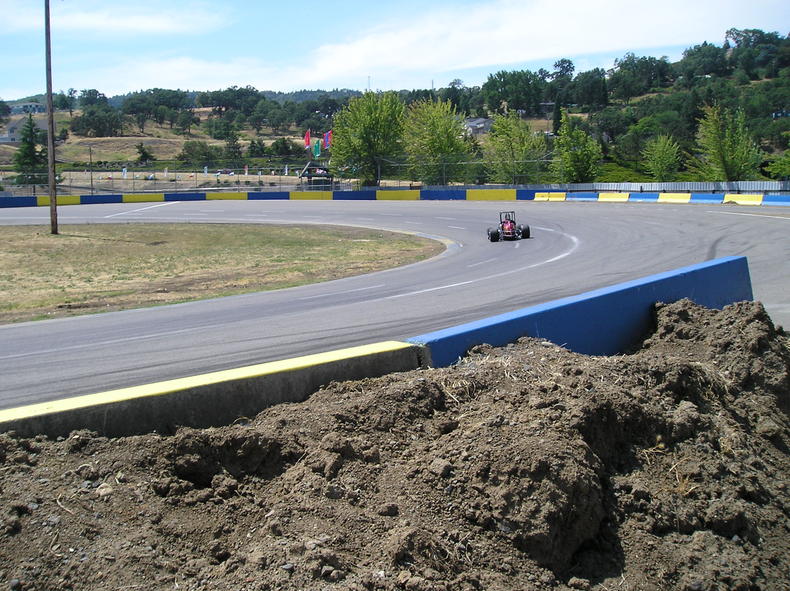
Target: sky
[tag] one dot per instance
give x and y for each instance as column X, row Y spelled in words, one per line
column 119, row 47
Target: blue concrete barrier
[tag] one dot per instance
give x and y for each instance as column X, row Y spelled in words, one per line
column 602, row 322
column 443, row 194
column 776, row 200
column 581, row 196
column 712, row 198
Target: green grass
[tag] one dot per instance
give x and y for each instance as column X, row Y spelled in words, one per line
column 102, row 267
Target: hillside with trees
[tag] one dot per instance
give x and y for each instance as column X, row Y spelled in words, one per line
column 644, row 119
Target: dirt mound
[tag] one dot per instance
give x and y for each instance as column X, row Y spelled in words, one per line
column 524, row 467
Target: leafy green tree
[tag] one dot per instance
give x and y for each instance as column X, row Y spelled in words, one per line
column 577, row 156
column 662, row 158
column 91, row 98
column 518, row 90
column 278, row 119
column 186, row 119
column 233, row 153
column 98, row 121
column 144, row 154
column 256, row 149
column 514, row 154
column 779, row 168
column 285, row 147
column 367, row 133
column 590, row 89
column 435, row 143
column 141, row 106
column 200, row 153
column 66, row 101
column 30, row 161
column 5, row 111
column 726, row 149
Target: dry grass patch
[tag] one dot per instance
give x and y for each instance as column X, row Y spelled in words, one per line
column 102, row 267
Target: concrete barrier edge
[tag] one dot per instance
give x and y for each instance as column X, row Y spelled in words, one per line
column 606, row 321
column 212, row 399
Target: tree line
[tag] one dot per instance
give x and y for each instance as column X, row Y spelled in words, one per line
column 638, row 109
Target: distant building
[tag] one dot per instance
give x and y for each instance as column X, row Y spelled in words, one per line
column 22, row 108
column 478, row 125
column 14, row 129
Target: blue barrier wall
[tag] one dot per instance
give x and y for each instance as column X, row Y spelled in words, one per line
column 707, row 198
column 443, row 194
column 602, row 322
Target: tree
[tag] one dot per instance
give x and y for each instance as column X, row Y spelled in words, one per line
column 98, row 121
column 779, row 168
column 186, row 119
column 435, row 144
column 662, row 158
column 233, row 153
column 144, row 154
column 284, row 147
column 514, row 154
column 726, row 150
column 367, row 134
column 29, row 161
column 576, row 154
column 91, row 98
column 199, row 153
column 590, row 89
column 5, row 111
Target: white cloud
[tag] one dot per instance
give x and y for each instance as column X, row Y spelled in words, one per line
column 502, row 32
column 143, row 17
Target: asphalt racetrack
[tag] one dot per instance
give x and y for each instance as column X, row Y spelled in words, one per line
column 575, row 247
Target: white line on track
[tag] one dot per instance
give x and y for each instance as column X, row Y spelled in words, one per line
column 91, row 344
column 456, row 227
column 334, row 293
column 140, row 209
column 754, row 215
column 448, row 219
column 481, row 263
column 575, row 244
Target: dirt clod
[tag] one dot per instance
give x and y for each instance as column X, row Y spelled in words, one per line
column 527, row 467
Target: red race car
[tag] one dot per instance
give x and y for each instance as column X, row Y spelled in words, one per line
column 508, row 229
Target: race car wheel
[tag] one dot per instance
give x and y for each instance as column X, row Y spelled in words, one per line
column 493, row 235
column 524, row 231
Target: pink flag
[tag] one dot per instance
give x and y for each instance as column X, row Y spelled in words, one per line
column 327, row 139
column 307, row 139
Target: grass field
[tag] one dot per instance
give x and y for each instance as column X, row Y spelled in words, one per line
column 102, row 267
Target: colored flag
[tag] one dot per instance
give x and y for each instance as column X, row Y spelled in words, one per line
column 327, row 139
column 307, row 139
column 317, row 148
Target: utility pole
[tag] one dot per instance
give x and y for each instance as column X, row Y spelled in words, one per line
column 53, row 193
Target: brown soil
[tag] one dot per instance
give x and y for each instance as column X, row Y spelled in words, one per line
column 524, row 467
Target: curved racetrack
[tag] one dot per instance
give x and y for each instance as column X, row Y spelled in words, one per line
column 575, row 247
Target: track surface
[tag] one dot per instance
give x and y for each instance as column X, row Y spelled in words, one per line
column 575, row 247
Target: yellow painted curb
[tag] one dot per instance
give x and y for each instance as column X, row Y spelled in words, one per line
column 743, row 199
column 491, row 195
column 229, row 195
column 142, row 197
column 674, row 197
column 614, row 197
column 311, row 195
column 549, row 196
column 43, row 200
column 179, row 384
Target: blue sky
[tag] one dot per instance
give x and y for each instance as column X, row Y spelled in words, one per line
column 118, row 47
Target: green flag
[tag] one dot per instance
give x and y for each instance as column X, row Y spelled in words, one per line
column 317, row 148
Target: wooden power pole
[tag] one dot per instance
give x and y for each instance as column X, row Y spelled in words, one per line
column 53, row 191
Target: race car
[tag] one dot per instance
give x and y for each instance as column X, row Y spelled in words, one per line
column 507, row 229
